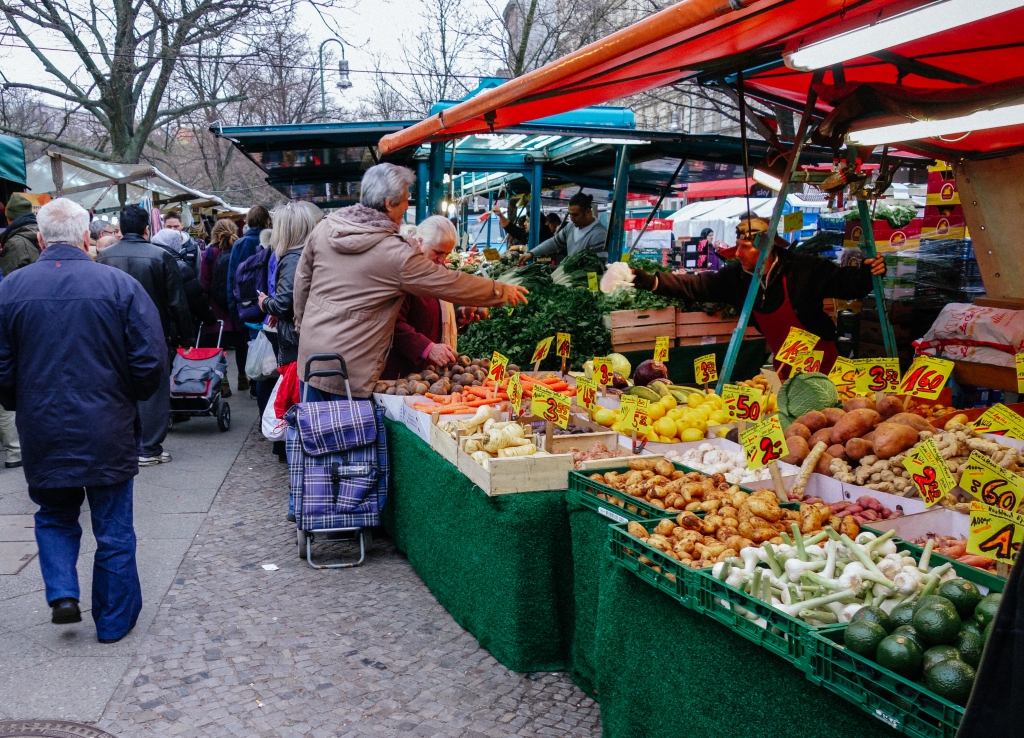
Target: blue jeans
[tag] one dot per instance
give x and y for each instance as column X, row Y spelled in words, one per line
column 116, row 592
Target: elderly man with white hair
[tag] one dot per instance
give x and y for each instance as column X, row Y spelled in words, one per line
column 80, row 345
column 354, row 274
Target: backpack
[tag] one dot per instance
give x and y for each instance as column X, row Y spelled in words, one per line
column 251, row 279
column 219, row 279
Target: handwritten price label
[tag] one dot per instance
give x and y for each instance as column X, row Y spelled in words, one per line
column 808, row 361
column 797, row 342
column 877, row 375
column 793, row 222
column 634, row 413
column 515, row 394
column 926, row 377
column 705, row 369
column 1018, row 361
column 541, row 352
column 844, row 377
column 603, row 371
column 928, row 472
column 995, row 534
column 984, row 480
column 550, row 406
column 764, row 442
column 586, row 393
column 743, row 403
column 499, row 364
column 661, row 348
column 592, row 284
column 562, row 344
column 492, row 255
column 1000, row 420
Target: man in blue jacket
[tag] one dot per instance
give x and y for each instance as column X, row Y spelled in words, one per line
column 257, row 219
column 80, row 344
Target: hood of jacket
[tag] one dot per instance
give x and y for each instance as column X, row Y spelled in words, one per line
column 25, row 225
column 354, row 229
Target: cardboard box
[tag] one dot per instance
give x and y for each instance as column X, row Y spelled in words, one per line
column 887, row 238
column 942, row 189
column 941, row 227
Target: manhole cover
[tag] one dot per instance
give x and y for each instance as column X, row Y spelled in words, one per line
column 48, row 729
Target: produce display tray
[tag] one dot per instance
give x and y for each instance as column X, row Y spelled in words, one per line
column 904, row 705
column 675, row 579
column 609, row 501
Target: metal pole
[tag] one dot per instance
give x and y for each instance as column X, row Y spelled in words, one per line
column 436, row 164
column 766, row 240
column 617, row 222
column 657, row 205
column 490, row 215
column 422, row 178
column 867, row 244
column 323, row 90
column 535, row 185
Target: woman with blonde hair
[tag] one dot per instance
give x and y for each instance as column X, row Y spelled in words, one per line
column 213, row 273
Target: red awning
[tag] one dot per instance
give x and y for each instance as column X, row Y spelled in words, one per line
column 719, row 188
column 706, row 38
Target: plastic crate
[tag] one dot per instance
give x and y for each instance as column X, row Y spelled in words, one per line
column 901, row 704
column 612, row 502
column 675, row 579
column 980, row 577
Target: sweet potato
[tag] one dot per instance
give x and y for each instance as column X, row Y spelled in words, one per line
column 890, row 405
column 893, row 438
column 824, row 464
column 854, row 424
column 822, row 436
column 858, row 402
column 836, row 451
column 798, row 429
column 798, row 450
column 912, row 420
column 858, row 448
column 814, row 420
column 833, row 415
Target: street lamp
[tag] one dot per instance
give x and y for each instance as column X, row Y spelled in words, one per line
column 343, row 81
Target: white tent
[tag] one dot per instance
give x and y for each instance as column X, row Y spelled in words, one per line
column 94, row 184
column 721, row 216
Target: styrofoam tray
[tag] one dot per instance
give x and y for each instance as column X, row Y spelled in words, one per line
column 939, row 520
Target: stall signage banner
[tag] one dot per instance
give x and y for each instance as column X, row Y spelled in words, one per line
column 705, row 369
column 492, row 255
column 1000, row 420
column 515, row 394
column 793, row 222
column 551, row 406
column 926, row 377
column 499, row 364
column 1018, row 361
column 562, row 345
column 796, row 342
column 928, row 472
column 661, row 348
column 877, row 375
column 634, row 413
column 743, row 403
column 808, row 361
column 995, row 534
column 844, row 377
column 986, row 481
column 603, row 371
column 592, row 284
column 541, row 352
column 764, row 442
column 586, row 393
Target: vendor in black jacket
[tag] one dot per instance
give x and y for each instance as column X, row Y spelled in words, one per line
column 793, row 288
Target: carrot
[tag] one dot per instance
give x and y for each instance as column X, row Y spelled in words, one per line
column 453, row 409
column 478, row 391
column 557, row 386
column 488, row 401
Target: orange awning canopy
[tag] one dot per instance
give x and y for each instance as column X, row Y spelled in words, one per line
column 707, row 40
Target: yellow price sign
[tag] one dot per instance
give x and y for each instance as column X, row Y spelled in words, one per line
column 634, row 413
column 661, row 344
column 541, row 352
column 492, row 255
column 928, row 472
column 793, row 222
column 562, row 345
column 603, row 371
column 877, row 375
column 764, row 442
column 986, row 481
column 1018, row 360
column 592, row 283
column 743, row 403
column 798, row 341
column 926, row 377
column 995, row 534
column 1000, row 420
column 499, row 363
column 844, row 376
column 705, row 369
column 515, row 394
column 550, row 406
column 586, row 393
column 808, row 361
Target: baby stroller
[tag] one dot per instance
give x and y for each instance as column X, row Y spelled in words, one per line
column 195, row 382
column 337, row 466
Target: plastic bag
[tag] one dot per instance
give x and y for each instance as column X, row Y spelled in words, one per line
column 273, row 427
column 261, row 364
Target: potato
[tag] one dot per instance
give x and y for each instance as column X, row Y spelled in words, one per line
column 822, row 436
column 642, row 464
column 798, row 450
column 415, row 378
column 890, row 405
column 893, row 438
column 380, row 387
column 636, row 530
column 664, row 468
column 814, row 420
column 798, row 429
column 958, row 419
column 391, row 390
column 858, row 402
column 836, row 451
column 912, row 420
column 665, row 527
column 855, row 423
column 858, row 448
column 402, row 391
column 437, row 388
column 833, row 414
column 824, row 464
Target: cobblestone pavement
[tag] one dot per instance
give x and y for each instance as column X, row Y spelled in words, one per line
column 236, row 650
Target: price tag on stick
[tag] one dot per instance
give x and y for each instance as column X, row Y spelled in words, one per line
column 926, row 377
column 586, row 393
column 661, row 344
column 705, row 369
column 808, row 361
column 1018, row 361
column 551, row 406
column 634, row 414
column 764, row 442
column 603, row 371
column 492, row 255
column 844, row 377
column 541, row 352
column 1000, row 420
column 499, row 364
column 515, row 394
column 877, row 375
column 592, row 284
column 743, row 403
column 984, row 480
column 562, row 344
column 928, row 472
column 797, row 342
column 995, row 534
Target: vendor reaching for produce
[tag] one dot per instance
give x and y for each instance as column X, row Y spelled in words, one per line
column 793, row 288
column 586, row 232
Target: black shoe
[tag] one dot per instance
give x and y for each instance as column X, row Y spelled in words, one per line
column 66, row 611
column 12, row 465
column 115, row 640
column 290, row 518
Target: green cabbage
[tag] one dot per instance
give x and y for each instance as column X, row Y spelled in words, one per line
column 805, row 392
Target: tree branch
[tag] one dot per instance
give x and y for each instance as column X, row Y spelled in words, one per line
column 85, row 150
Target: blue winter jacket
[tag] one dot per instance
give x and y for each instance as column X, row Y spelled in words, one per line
column 80, row 344
column 244, row 247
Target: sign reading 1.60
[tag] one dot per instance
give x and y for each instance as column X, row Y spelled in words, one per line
column 926, row 377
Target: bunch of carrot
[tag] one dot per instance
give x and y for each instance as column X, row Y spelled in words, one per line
column 470, row 398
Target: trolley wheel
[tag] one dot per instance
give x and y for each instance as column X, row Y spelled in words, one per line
column 224, row 416
column 303, row 541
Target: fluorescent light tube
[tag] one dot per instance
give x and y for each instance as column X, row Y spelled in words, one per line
column 1010, row 115
column 899, row 29
column 767, row 179
column 617, row 141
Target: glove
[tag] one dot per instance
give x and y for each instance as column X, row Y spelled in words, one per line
column 643, row 280
column 617, row 275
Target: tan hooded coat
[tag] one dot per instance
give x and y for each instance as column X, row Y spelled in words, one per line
column 349, row 285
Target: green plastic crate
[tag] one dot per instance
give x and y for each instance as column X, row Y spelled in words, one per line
column 614, row 505
column 980, row 577
column 900, row 703
column 675, row 578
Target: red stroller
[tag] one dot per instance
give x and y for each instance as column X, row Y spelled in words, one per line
column 195, row 382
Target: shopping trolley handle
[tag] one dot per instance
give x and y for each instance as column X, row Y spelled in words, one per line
column 340, row 372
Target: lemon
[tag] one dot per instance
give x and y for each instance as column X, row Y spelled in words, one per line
column 665, row 427
column 700, row 425
column 722, row 432
column 652, row 436
column 691, row 434
column 675, row 414
column 616, row 427
column 718, row 417
column 695, row 399
column 668, row 401
column 666, row 439
column 705, row 410
column 682, row 426
column 604, row 416
column 656, row 411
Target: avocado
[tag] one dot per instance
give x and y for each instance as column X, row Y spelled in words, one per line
column 986, row 610
column 902, row 614
column 964, row 595
column 875, row 615
column 970, row 645
column 938, row 654
column 900, row 654
column 910, row 632
column 938, row 623
column 951, row 679
column 971, row 625
column 863, row 637
column 929, row 600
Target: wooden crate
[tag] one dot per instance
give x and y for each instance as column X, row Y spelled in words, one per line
column 622, row 348
column 699, row 325
column 524, row 474
column 751, row 334
column 635, row 330
column 445, row 445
